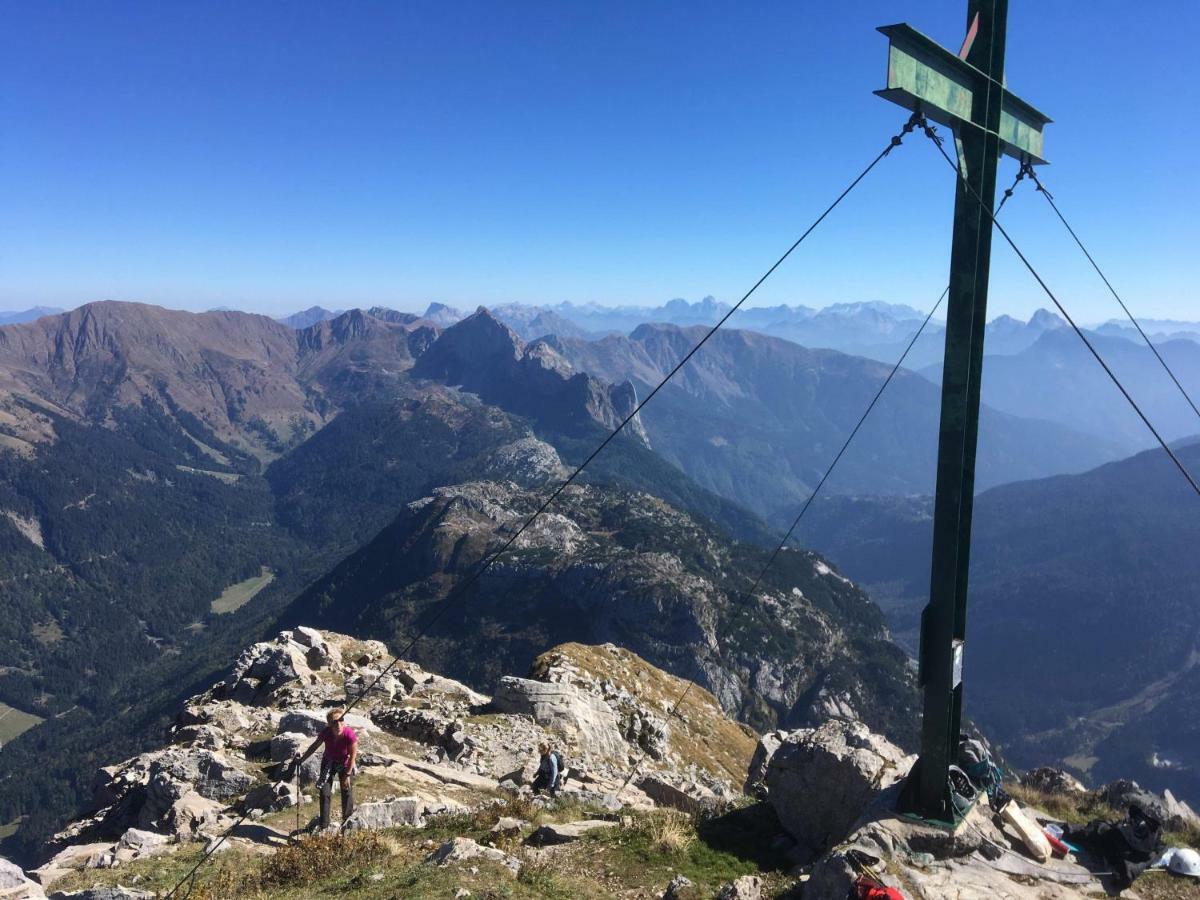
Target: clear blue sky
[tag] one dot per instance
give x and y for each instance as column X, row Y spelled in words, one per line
column 273, row 156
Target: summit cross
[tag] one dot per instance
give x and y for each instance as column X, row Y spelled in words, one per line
column 966, row 93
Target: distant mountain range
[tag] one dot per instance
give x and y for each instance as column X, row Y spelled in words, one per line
column 1056, row 378
column 27, row 315
column 757, row 419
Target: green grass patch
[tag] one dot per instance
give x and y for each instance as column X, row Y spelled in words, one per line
column 708, row 851
column 14, row 722
column 238, row 595
column 7, row 831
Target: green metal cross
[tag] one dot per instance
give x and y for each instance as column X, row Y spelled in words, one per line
column 965, row 92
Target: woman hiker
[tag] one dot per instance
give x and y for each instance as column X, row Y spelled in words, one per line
column 341, row 751
column 548, row 775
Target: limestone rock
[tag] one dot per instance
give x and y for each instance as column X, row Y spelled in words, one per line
column 527, row 462
column 1052, row 781
column 15, row 886
column 563, row 708
column 821, row 780
column 1179, row 810
column 207, row 737
column 265, row 668
column 393, row 813
column 1122, row 793
column 565, row 832
column 372, row 681
column 767, row 745
column 675, row 890
column 462, row 849
column 686, row 796
column 748, row 887
column 189, row 814
column 508, row 825
column 103, row 893
column 142, row 841
column 309, row 722
column 286, row 745
column 271, row 797
column 320, row 654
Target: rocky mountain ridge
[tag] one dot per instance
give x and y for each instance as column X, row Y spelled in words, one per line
column 428, row 747
column 757, row 418
column 444, row 805
column 623, row 567
column 253, row 384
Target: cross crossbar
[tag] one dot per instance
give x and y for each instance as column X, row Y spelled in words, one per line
column 925, row 77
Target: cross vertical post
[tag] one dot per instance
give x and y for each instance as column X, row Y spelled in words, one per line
column 966, row 92
column 943, row 623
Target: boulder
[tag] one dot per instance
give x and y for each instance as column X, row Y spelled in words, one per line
column 15, row 886
column 748, row 887
column 821, row 780
column 564, row 709
column 508, row 825
column 1052, row 781
column 206, row 737
column 1121, row 794
column 677, row 887
column 309, row 722
column 263, row 669
column 767, row 745
column 1179, row 810
column 174, row 773
column 320, row 653
column 686, row 796
column 462, row 849
column 358, row 685
column 190, row 814
column 211, row 774
column 394, row 813
column 565, row 832
column 286, row 745
column 68, row 859
column 143, row 842
column 271, row 797
column 421, row 725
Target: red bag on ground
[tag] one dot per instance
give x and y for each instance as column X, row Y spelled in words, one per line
column 866, row 889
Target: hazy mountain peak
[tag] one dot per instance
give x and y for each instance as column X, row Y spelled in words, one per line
column 16, row 317
column 310, row 316
column 1045, row 319
column 441, row 314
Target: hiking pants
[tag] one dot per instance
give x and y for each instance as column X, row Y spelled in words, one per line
column 541, row 782
column 329, row 774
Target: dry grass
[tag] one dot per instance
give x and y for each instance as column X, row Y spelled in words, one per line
column 671, row 832
column 306, row 862
column 1077, row 809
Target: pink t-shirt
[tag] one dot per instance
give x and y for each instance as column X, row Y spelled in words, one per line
column 338, row 746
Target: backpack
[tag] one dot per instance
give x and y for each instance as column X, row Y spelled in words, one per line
column 975, row 760
column 562, row 765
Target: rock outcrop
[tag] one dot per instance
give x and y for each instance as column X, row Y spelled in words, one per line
column 430, row 745
column 820, row 780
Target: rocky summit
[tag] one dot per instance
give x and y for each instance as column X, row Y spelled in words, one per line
column 430, row 748
column 652, row 805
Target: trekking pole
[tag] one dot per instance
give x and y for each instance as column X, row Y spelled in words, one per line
column 299, row 800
